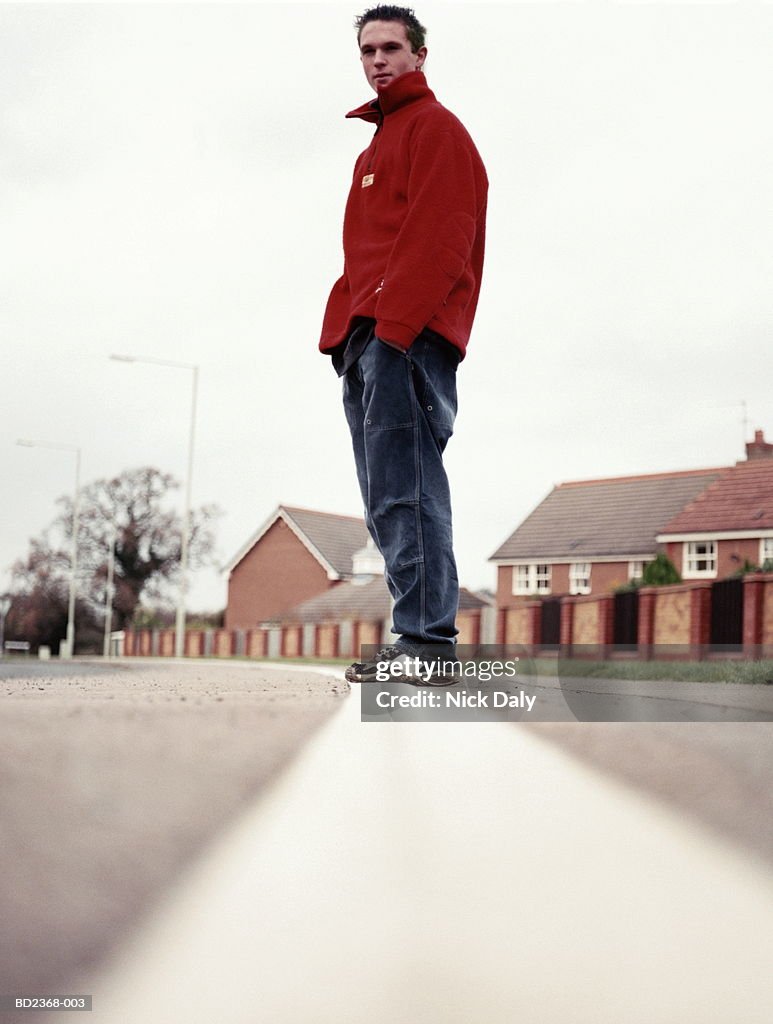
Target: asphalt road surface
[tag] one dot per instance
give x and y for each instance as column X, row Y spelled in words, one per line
column 117, row 780
column 458, row 872
column 112, row 778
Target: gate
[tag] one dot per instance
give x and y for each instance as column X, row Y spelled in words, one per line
column 550, row 622
column 727, row 613
column 625, row 622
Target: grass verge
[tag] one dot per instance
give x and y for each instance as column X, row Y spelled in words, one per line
column 747, row 672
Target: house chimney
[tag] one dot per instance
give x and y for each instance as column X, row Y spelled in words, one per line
column 759, row 448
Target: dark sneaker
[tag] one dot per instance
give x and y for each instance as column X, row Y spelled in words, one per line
column 387, row 665
column 445, row 672
column 396, row 664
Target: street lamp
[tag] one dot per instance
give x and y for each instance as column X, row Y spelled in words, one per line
column 179, row 637
column 74, row 551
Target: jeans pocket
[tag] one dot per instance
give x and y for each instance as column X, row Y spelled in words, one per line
column 393, row 348
column 434, row 378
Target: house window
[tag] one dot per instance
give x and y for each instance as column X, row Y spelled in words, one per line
column 579, row 578
column 542, row 575
column 635, row 570
column 700, row 559
column 531, row 579
column 521, row 579
column 766, row 550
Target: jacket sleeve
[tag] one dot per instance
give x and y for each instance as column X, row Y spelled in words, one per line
column 446, row 192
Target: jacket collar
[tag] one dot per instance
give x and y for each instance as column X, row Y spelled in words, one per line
column 408, row 88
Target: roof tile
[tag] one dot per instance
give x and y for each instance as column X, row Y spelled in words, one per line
column 740, row 499
column 618, row 516
column 368, row 602
column 336, row 537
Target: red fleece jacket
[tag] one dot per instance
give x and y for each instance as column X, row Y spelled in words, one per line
column 414, row 227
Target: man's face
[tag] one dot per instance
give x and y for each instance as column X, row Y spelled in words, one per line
column 386, row 53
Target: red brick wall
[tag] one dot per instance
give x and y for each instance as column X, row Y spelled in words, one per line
column 277, row 574
column 468, row 624
column 758, row 615
column 194, row 643
column 681, row 617
column 672, row 618
column 587, row 623
column 766, row 623
column 292, row 641
column 327, row 641
column 585, row 627
column 521, row 625
column 366, row 634
column 673, row 622
column 224, row 646
column 257, row 643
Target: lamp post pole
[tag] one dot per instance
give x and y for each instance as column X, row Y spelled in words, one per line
column 75, row 522
column 179, row 636
column 5, row 606
column 109, row 593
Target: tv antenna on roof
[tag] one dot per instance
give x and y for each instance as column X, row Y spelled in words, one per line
column 745, row 421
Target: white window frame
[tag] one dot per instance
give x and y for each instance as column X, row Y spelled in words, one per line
column 766, row 549
column 636, row 570
column 579, row 578
column 521, row 579
column 699, row 559
column 532, row 579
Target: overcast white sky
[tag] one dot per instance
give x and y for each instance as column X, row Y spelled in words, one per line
column 172, row 183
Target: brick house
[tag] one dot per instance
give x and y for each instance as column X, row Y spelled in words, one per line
column 319, row 578
column 729, row 525
column 591, row 536
column 296, row 554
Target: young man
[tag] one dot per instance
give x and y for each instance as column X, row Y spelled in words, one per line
column 398, row 320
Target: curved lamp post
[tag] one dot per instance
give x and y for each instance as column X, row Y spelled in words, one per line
column 179, row 637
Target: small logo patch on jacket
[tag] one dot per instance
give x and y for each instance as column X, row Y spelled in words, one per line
column 368, row 180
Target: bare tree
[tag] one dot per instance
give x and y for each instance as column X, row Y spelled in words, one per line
column 133, row 511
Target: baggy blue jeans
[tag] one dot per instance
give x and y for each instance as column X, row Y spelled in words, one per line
column 401, row 407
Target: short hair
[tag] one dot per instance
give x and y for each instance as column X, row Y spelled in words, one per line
column 414, row 29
